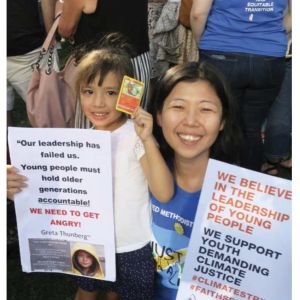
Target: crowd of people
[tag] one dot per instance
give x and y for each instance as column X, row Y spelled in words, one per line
column 213, row 107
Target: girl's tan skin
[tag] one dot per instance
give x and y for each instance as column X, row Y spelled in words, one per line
column 98, row 102
column 15, row 182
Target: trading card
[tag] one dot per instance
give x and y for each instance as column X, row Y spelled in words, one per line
column 130, row 95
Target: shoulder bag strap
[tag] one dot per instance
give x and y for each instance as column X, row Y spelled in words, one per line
column 50, row 37
column 48, row 43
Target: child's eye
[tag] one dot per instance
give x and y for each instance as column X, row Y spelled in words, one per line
column 87, row 91
column 112, row 93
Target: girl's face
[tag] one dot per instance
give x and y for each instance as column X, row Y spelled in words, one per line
column 191, row 119
column 98, row 102
column 84, row 259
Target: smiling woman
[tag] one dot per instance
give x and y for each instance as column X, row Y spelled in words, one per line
column 191, row 118
column 196, row 120
column 197, row 95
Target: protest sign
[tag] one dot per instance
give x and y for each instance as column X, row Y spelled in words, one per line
column 240, row 246
column 65, row 214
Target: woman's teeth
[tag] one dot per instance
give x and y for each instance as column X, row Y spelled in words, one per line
column 189, row 137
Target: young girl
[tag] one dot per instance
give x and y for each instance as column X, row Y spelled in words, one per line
column 85, row 261
column 196, row 120
column 136, row 161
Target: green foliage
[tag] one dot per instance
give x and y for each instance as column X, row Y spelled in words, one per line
column 20, row 118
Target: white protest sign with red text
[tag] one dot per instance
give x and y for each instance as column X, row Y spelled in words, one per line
column 67, row 206
column 240, row 246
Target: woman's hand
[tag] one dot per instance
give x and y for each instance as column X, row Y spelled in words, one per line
column 15, row 182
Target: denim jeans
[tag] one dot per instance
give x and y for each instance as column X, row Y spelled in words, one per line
column 279, row 122
column 255, row 81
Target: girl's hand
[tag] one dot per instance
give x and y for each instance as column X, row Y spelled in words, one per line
column 15, row 182
column 143, row 124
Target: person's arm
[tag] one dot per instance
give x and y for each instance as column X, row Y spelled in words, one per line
column 15, row 182
column 198, row 17
column 159, row 177
column 70, row 17
column 48, row 11
column 288, row 17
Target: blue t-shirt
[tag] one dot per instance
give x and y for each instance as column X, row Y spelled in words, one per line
column 252, row 26
column 171, row 226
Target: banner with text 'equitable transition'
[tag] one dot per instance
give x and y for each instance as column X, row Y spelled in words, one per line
column 240, row 246
column 65, row 214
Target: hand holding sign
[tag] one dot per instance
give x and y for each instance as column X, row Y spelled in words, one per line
column 15, row 181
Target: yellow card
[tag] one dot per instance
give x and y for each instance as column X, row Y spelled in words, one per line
column 130, row 95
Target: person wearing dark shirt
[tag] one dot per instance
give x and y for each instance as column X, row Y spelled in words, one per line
column 84, row 21
column 25, row 35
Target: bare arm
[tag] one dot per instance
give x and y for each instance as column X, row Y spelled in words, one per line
column 159, row 177
column 48, row 11
column 288, row 17
column 70, row 17
column 198, row 17
column 15, row 182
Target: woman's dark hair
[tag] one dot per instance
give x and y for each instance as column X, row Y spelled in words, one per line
column 227, row 145
column 93, row 268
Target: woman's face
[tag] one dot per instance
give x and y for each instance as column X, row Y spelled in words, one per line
column 191, row 119
column 84, row 259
